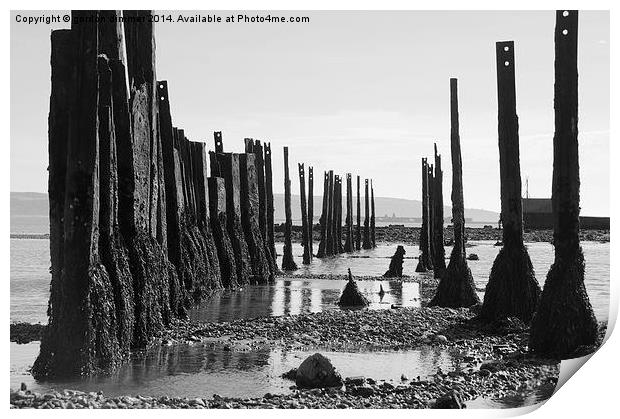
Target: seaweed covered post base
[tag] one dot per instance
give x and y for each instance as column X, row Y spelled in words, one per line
column 456, row 288
column 565, row 321
column 512, row 290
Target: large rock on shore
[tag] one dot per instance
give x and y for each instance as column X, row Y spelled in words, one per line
column 450, row 400
column 317, row 371
column 352, row 296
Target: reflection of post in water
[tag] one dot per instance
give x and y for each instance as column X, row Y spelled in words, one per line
column 210, row 361
column 295, row 299
column 213, row 305
column 242, row 303
column 315, row 300
column 287, row 298
column 270, row 298
column 325, row 297
column 227, row 358
column 305, row 297
column 259, row 301
column 429, row 358
column 409, row 293
column 277, row 301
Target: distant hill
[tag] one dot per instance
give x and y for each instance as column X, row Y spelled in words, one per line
column 409, row 208
column 29, row 210
column 29, row 213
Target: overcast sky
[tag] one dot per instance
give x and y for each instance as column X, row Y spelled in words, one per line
column 361, row 92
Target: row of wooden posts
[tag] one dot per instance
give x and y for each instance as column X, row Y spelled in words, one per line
column 333, row 239
column 561, row 316
column 139, row 230
column 431, row 243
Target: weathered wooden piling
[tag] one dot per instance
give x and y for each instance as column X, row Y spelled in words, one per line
column 564, row 320
column 329, row 246
column 288, row 263
column 132, row 212
column 261, row 268
column 373, row 241
column 305, row 233
column 269, row 207
column 226, row 166
column 262, row 193
column 189, row 237
column 366, row 240
column 62, row 102
column 456, row 288
column 334, row 228
column 152, row 273
column 217, row 212
column 82, row 274
column 430, row 183
column 140, row 42
column 512, row 290
column 323, row 220
column 112, row 252
column 358, row 230
column 102, row 292
column 424, row 259
column 439, row 263
column 349, row 245
column 338, row 215
column 210, row 279
column 310, row 211
column 255, row 147
column 138, row 177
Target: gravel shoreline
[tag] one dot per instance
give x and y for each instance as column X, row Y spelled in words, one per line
column 493, row 380
column 492, row 360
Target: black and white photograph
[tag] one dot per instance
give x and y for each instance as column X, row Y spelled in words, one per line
column 323, row 209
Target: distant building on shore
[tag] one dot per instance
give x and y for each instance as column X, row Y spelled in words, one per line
column 538, row 215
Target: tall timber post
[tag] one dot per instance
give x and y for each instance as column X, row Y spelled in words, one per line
column 512, row 290
column 358, row 229
column 226, row 166
column 269, row 206
column 288, row 263
column 437, row 239
column 321, row 252
column 373, row 240
column 250, row 215
column 310, row 210
column 424, row 260
column 349, row 239
column 456, row 288
column 304, row 215
column 366, row 238
column 556, row 331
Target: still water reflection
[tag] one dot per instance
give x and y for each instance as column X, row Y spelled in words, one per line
column 295, row 296
column 202, row 370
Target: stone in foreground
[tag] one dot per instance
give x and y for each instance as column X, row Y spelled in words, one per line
column 450, row 400
column 352, row 296
column 317, row 371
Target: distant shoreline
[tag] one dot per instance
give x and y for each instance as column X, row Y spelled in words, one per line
column 410, row 235
column 30, row 236
column 405, row 235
